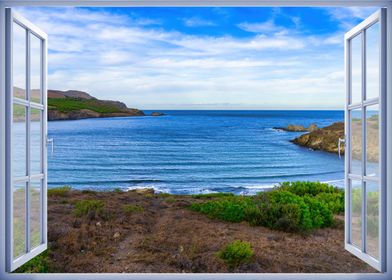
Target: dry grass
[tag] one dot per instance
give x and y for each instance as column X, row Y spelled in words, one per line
column 167, row 237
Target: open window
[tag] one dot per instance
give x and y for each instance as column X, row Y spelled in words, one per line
column 26, row 145
column 365, row 117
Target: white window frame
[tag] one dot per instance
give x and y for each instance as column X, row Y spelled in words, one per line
column 190, row 3
column 30, row 30
column 360, row 30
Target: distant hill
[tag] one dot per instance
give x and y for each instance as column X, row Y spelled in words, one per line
column 74, row 105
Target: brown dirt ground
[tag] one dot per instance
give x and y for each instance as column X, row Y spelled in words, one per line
column 167, row 237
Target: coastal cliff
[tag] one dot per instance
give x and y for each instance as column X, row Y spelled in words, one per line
column 75, row 105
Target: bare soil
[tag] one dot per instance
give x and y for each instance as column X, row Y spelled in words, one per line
column 167, row 237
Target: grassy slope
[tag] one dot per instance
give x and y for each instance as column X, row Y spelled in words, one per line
column 65, row 105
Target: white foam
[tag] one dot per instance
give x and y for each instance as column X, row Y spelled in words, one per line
column 156, row 189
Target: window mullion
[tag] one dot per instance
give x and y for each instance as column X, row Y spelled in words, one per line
column 28, row 152
column 363, row 117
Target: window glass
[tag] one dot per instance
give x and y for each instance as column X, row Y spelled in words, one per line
column 19, row 61
column 19, row 219
column 372, row 218
column 356, row 141
column 35, row 69
column 373, row 61
column 356, row 212
column 356, row 69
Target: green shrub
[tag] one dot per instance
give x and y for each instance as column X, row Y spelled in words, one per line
column 211, row 195
column 290, row 207
column 281, row 210
column 332, row 196
column 130, row 208
column 320, row 213
column 236, row 253
column 231, row 208
column 89, row 207
column 60, row 191
column 334, row 201
column 302, row 188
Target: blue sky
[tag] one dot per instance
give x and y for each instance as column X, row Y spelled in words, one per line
column 200, row 58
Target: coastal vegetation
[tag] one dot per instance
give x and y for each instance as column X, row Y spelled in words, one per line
column 236, row 253
column 144, row 231
column 63, row 105
column 291, row 207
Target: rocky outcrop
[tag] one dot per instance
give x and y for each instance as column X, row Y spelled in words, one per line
column 86, row 106
column 298, row 128
column 55, row 115
column 324, row 139
column 157, row 114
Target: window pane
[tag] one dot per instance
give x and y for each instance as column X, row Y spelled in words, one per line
column 35, row 213
column 372, row 219
column 36, row 141
column 19, row 140
column 373, row 61
column 35, row 69
column 356, row 142
column 19, row 219
column 19, row 61
column 356, row 69
column 356, row 211
column 372, row 140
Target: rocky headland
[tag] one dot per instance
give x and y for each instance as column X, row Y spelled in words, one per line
column 327, row 139
column 324, row 139
column 298, row 128
column 75, row 105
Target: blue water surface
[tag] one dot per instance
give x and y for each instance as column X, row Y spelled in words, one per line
column 190, row 152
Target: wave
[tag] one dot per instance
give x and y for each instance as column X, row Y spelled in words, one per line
column 108, row 182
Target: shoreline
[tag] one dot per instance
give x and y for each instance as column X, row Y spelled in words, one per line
column 256, row 188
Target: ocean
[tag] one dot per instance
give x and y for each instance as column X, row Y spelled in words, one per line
column 189, row 152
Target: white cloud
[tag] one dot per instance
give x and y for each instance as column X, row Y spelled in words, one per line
column 261, row 27
column 348, row 16
column 197, row 22
column 148, row 66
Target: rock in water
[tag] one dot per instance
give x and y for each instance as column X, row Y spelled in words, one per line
column 324, row 139
column 157, row 114
column 298, row 128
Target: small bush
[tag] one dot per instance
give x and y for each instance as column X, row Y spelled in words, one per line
column 118, row 190
column 281, row 210
column 87, row 191
column 89, row 207
column 236, row 253
column 60, row 191
column 130, row 208
column 231, row 208
column 170, row 200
